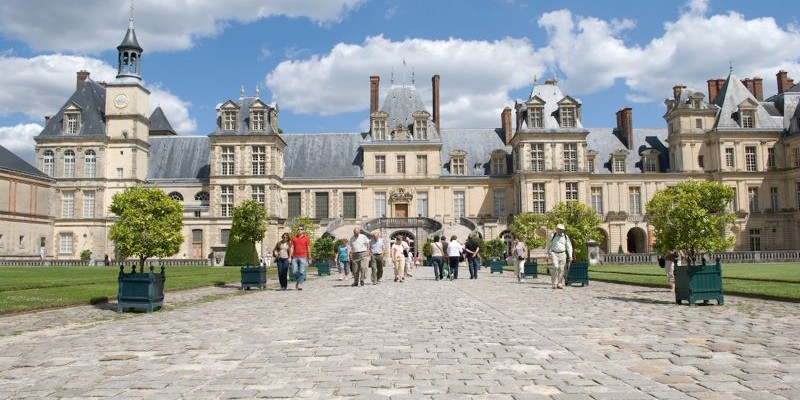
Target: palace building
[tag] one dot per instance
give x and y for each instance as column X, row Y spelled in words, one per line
column 406, row 174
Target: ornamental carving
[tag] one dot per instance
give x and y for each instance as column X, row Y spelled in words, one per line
column 400, row 196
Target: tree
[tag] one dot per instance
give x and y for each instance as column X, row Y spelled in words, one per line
column 691, row 216
column 530, row 229
column 248, row 227
column 149, row 223
column 309, row 226
column 581, row 224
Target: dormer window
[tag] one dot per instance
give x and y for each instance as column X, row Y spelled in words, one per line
column 421, row 124
column 567, row 115
column 650, row 160
column 458, row 162
column 619, row 162
column 535, row 113
column 379, row 125
column 258, row 120
column 619, row 165
column 498, row 165
column 229, row 118
column 591, row 155
column 747, row 114
column 72, row 120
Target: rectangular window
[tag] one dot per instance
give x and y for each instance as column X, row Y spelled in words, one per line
column 774, row 198
column 321, row 205
column 48, row 163
column 227, row 160
column 537, row 157
column 755, row 239
column 750, row 159
column 401, row 164
column 748, row 119
column 69, row 164
column 226, row 201
column 733, row 205
column 498, row 166
column 293, row 203
column 197, row 236
column 752, row 199
column 259, row 159
column 597, row 200
column 570, row 157
column 635, row 199
column 224, row 235
column 698, row 123
column 379, row 129
column 65, row 243
column 421, row 128
column 567, row 117
column 90, row 164
column 88, row 204
column 729, row 160
column 771, row 158
column 537, row 120
column 67, row 205
column 701, row 161
column 537, row 194
column 120, row 173
column 457, row 166
column 21, row 242
column 380, row 205
column 257, row 120
column 422, row 204
column 349, row 205
column 422, row 165
column 571, row 192
column 590, row 165
column 797, row 157
column 797, row 190
column 258, row 194
column 651, row 164
column 73, row 125
column 229, row 120
column 499, row 203
column 619, row 165
column 458, row 204
column 380, row 164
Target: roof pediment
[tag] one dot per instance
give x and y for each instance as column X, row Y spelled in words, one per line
column 568, row 100
column 72, row 106
column 229, row 105
column 535, row 101
column 748, row 103
column 258, row 104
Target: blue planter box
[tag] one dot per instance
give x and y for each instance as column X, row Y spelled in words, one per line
column 578, row 273
column 140, row 290
column 254, row 277
column 496, row 266
column 699, row 282
column 323, row 268
column 531, row 268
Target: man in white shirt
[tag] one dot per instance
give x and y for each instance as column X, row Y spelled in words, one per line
column 559, row 249
column 359, row 256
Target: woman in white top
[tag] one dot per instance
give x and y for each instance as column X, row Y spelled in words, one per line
column 398, row 259
column 454, row 250
column 520, row 254
column 437, row 258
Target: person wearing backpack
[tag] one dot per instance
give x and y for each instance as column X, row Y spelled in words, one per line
column 559, row 249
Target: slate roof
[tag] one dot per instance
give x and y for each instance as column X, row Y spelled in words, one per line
column 10, row 162
column 179, row 157
column 551, row 94
column 324, row 155
column 605, row 141
column 159, row 124
column 400, row 103
column 479, row 145
column 733, row 93
column 91, row 98
column 244, row 104
column 129, row 41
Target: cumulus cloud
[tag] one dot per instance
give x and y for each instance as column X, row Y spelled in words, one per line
column 164, row 25
column 19, row 139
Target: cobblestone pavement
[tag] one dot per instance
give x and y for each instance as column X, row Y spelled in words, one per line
column 490, row 338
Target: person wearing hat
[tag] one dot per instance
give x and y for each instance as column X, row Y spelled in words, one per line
column 559, row 249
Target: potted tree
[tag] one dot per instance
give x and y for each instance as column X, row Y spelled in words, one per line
column 692, row 217
column 581, row 222
column 426, row 253
column 529, row 228
column 248, row 227
column 322, row 251
column 148, row 223
column 493, row 251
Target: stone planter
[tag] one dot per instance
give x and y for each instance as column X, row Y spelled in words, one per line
column 578, row 272
column 323, row 268
column 531, row 269
column 253, row 277
column 699, row 282
column 496, row 266
column 140, row 290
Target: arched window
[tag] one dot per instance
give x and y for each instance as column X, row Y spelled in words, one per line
column 47, row 162
column 175, row 196
column 202, row 197
column 69, row 164
column 90, row 164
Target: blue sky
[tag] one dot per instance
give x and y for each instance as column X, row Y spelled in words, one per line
column 314, row 57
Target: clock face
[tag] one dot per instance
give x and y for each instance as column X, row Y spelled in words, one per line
column 121, row 101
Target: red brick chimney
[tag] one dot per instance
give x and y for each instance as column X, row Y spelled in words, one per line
column 758, row 88
column 436, row 116
column 505, row 121
column 676, row 91
column 784, row 83
column 82, row 76
column 625, row 125
column 374, row 85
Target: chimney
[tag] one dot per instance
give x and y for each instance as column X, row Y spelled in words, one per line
column 758, row 88
column 625, row 125
column 676, row 91
column 712, row 90
column 784, row 83
column 47, row 119
column 748, row 83
column 374, row 84
column 82, row 76
column 436, row 116
column 505, row 121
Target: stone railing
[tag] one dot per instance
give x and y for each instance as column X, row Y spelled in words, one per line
column 427, row 224
column 468, row 223
column 728, row 257
column 99, row 263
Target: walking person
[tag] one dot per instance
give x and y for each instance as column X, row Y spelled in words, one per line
column 300, row 256
column 520, row 254
column 437, row 258
column 398, row 259
column 359, row 256
column 473, row 261
column 559, row 249
column 378, row 261
column 343, row 259
column 454, row 250
column 406, row 254
column 281, row 254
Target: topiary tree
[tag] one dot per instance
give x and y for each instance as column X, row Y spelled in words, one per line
column 581, row 224
column 248, row 227
column 324, row 248
column 148, row 223
column 692, row 217
column 493, row 249
column 530, row 229
column 426, row 248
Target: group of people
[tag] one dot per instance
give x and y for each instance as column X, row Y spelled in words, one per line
column 363, row 257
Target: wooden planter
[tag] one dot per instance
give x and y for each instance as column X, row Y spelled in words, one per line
column 323, row 268
column 253, row 277
column 578, row 272
column 531, row 268
column 140, row 290
column 699, row 282
column 496, row 266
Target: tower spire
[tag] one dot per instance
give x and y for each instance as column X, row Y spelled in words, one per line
column 130, row 54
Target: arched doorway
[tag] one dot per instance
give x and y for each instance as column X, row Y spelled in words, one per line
column 637, row 240
column 412, row 243
column 603, row 242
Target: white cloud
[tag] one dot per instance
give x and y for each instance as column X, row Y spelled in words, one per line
column 19, row 139
column 163, row 25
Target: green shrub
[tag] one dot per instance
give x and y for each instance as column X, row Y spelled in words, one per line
column 324, row 248
column 86, row 255
column 239, row 254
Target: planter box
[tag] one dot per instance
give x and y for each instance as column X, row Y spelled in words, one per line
column 140, row 290
column 323, row 268
column 699, row 282
column 578, row 272
column 496, row 266
column 531, row 268
column 254, row 277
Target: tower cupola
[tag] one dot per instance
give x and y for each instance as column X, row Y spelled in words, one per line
column 130, row 55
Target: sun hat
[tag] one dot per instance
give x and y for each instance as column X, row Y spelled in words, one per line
column 560, row 226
